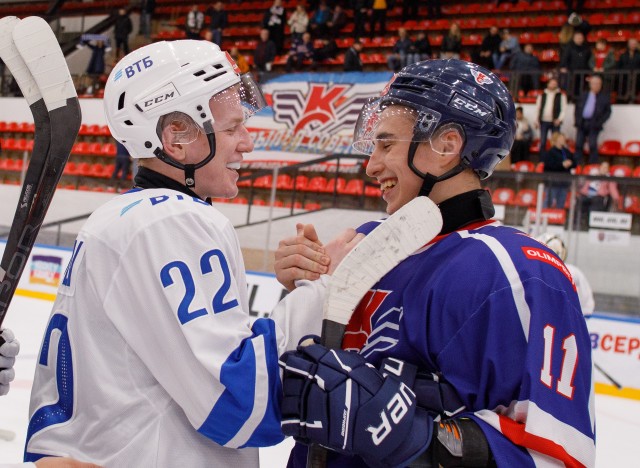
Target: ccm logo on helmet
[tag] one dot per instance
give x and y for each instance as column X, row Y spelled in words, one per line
column 467, row 106
column 134, row 68
column 164, row 94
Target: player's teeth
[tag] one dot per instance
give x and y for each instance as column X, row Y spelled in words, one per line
column 387, row 184
column 234, row 166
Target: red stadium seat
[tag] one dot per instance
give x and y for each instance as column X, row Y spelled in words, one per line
column 610, row 148
column 284, row 182
column 631, row 148
column 316, row 184
column 108, row 149
column 525, row 197
column 70, row 168
column 503, row 196
column 263, row 181
column 632, row 204
column 591, row 169
column 301, row 182
column 83, row 169
column 331, row 185
column 636, row 172
column 621, row 170
column 353, row 187
column 524, row 166
column 373, row 191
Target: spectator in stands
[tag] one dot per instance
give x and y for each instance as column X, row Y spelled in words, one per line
column 598, row 194
column 422, row 47
column 579, row 24
column 194, row 23
column 551, row 106
column 360, row 12
column 451, row 43
column 352, row 60
column 524, row 135
column 123, row 162
column 557, row 160
column 434, row 10
column 574, row 62
column 301, row 51
column 147, row 7
column 402, row 52
column 602, row 58
column 218, row 20
column 265, row 52
column 629, row 61
column 593, row 109
column 527, row 65
column 489, row 48
column 121, row 29
column 274, row 20
column 378, row 15
column 602, row 61
column 328, row 50
column 242, row 63
column 337, row 21
column 96, row 62
column 319, row 19
column 409, row 10
column 509, row 46
column 298, row 22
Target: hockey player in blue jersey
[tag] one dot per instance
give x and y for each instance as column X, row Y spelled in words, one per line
column 482, row 325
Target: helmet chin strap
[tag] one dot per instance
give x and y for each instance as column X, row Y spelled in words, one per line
column 190, row 169
column 429, row 180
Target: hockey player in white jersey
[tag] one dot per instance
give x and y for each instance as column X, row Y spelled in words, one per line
column 150, row 357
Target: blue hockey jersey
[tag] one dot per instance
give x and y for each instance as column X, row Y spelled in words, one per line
column 496, row 313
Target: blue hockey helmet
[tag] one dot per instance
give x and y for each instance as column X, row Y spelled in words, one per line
column 445, row 92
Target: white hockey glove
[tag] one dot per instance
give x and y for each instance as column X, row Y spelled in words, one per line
column 9, row 349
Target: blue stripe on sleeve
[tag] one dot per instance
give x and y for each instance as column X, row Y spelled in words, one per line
column 235, row 405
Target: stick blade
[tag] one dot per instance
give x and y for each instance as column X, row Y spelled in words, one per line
column 411, row 227
column 41, row 52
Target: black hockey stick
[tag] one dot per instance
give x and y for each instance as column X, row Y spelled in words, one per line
column 405, row 231
column 14, row 61
column 39, row 48
column 608, row 377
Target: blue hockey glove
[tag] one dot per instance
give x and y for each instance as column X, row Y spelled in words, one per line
column 9, row 349
column 336, row 399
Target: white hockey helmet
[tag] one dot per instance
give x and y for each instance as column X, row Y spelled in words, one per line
column 165, row 77
column 555, row 243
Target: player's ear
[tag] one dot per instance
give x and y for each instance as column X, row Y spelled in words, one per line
column 174, row 150
column 448, row 142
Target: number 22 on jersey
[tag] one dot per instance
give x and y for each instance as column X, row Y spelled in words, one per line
column 180, row 271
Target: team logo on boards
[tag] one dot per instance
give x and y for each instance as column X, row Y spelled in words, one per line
column 324, row 109
column 372, row 328
column 45, row 270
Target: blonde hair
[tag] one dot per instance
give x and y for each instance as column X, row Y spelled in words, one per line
column 555, row 136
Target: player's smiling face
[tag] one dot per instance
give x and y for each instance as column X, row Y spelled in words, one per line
column 219, row 177
column 388, row 163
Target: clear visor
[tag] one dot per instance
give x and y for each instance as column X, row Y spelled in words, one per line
column 230, row 107
column 237, row 103
column 382, row 121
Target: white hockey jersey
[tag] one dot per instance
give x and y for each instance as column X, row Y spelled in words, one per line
column 150, row 357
